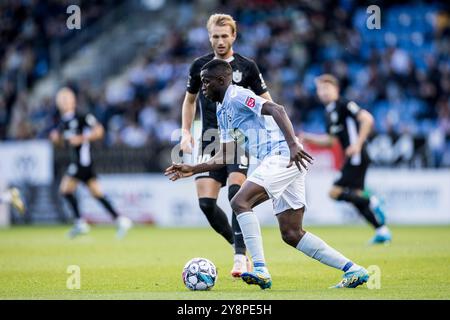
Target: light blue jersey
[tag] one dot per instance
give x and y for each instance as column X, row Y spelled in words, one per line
column 239, row 118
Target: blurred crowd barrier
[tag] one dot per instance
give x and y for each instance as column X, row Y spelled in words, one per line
column 410, row 197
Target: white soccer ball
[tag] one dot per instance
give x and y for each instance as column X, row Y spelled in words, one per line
column 199, row 274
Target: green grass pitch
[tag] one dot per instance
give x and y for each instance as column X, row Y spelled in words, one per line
column 148, row 264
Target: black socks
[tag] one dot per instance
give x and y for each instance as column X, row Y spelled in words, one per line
column 73, row 203
column 108, row 207
column 362, row 204
column 216, row 218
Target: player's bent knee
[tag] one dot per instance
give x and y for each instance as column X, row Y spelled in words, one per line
column 207, row 204
column 236, row 178
column 232, row 191
column 239, row 205
column 292, row 236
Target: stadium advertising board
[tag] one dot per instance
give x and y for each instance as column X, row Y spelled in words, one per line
column 26, row 162
column 411, row 197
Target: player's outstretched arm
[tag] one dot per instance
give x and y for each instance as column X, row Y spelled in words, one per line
column 221, row 159
column 178, row 170
column 321, row 140
column 280, row 116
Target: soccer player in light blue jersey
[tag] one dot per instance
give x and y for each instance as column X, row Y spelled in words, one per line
column 266, row 132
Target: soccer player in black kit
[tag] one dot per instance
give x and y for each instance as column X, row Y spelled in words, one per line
column 222, row 34
column 79, row 130
column 351, row 125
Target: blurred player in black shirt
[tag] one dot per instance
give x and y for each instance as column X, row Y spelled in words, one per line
column 351, row 125
column 79, row 130
column 222, row 34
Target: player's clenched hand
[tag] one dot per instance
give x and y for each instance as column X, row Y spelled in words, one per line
column 353, row 149
column 187, row 141
column 178, row 171
column 299, row 156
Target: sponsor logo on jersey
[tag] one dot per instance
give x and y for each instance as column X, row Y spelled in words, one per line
column 73, row 124
column 263, row 83
column 353, row 107
column 334, row 117
column 250, row 102
column 336, row 128
column 237, row 76
column 189, row 82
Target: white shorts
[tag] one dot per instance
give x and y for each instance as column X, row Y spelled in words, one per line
column 285, row 186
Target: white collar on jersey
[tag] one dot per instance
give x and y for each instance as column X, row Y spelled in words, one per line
column 68, row 116
column 231, row 90
column 227, row 60
column 330, row 107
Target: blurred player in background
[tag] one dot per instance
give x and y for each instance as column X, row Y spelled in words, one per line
column 351, row 125
column 79, row 130
column 12, row 196
column 271, row 139
column 222, row 34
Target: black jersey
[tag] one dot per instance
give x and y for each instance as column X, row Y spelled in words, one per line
column 78, row 124
column 245, row 74
column 341, row 117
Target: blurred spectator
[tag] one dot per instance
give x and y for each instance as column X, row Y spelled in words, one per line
column 132, row 135
column 401, row 73
column 28, row 28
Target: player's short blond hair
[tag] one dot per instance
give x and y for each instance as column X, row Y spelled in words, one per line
column 327, row 78
column 221, row 19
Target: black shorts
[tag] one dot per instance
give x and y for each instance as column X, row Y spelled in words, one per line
column 222, row 175
column 353, row 176
column 81, row 173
